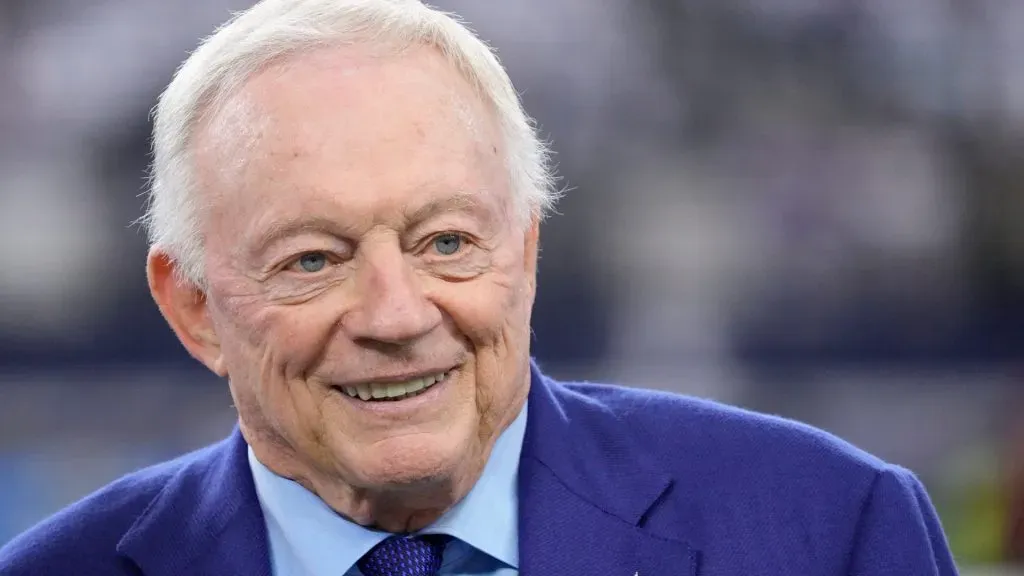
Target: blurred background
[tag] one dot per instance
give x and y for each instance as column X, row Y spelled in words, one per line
column 809, row 208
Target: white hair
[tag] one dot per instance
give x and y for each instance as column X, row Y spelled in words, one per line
column 273, row 29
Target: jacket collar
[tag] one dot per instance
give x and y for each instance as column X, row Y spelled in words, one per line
column 585, row 491
column 206, row 520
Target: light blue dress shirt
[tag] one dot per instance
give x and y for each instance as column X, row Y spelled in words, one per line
column 307, row 538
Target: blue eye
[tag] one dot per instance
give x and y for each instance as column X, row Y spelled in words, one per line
column 447, row 244
column 312, row 262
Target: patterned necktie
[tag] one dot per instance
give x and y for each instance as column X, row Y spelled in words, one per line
column 404, row 556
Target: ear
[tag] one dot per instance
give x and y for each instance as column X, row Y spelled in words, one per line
column 185, row 308
column 531, row 251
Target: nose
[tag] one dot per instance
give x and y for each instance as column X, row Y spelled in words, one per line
column 391, row 307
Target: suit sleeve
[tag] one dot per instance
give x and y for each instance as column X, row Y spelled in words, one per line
column 899, row 532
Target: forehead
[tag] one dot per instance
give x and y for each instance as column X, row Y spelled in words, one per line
column 366, row 132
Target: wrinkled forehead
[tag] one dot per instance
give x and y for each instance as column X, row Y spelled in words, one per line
column 343, row 99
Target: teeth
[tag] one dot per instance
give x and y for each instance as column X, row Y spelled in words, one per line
column 393, row 390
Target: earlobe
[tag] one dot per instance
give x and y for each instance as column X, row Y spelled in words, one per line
column 184, row 306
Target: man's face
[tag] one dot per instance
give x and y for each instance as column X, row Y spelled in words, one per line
column 369, row 292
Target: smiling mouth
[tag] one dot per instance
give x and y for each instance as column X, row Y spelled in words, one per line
column 392, row 391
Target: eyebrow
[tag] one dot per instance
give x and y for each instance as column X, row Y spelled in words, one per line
column 289, row 227
column 468, row 202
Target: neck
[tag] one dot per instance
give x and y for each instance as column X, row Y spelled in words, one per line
column 398, row 509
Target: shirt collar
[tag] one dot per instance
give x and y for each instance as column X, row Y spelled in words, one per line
column 486, row 519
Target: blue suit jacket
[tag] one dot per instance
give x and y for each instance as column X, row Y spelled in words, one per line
column 612, row 482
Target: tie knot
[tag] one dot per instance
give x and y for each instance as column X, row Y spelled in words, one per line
column 404, row 556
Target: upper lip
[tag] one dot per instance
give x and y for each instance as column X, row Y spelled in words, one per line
column 398, row 377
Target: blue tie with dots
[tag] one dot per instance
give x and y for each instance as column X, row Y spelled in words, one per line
column 404, row 556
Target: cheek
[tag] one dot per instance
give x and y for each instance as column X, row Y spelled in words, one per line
column 482, row 310
column 290, row 337
column 297, row 335
column 491, row 305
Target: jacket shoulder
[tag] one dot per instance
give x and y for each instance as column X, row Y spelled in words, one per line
column 83, row 537
column 752, row 488
column 671, row 426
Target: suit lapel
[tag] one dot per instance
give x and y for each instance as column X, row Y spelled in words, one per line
column 206, row 522
column 584, row 492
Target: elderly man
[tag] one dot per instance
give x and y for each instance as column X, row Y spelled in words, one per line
column 344, row 222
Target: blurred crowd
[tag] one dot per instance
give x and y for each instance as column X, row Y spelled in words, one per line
column 800, row 206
